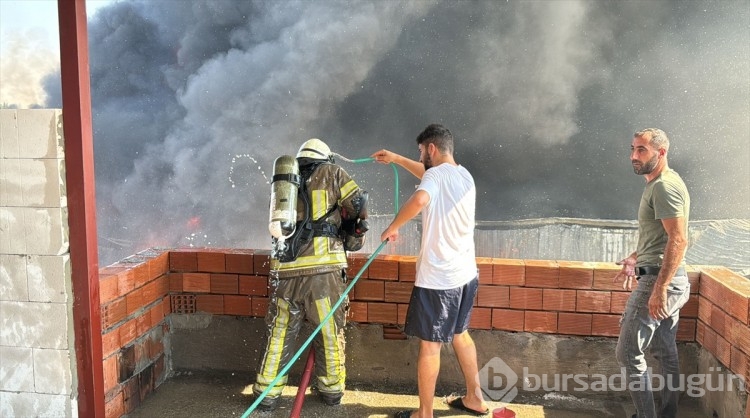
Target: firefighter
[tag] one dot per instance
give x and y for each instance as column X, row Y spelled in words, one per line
column 308, row 266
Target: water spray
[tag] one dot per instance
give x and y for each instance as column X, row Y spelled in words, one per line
column 308, row 369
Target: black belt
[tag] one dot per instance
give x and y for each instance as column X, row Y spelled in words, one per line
column 654, row 271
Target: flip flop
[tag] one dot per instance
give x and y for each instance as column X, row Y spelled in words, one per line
column 458, row 403
column 403, row 414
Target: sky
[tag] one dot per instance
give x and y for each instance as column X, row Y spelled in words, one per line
column 29, row 35
column 191, row 105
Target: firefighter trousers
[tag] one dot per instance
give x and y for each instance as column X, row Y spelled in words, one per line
column 294, row 300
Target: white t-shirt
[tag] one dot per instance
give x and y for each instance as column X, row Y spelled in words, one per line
column 447, row 258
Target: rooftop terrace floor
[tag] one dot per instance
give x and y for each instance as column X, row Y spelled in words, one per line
column 204, row 395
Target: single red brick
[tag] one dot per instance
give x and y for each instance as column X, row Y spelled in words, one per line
column 559, row 300
column 113, row 312
column 403, row 308
column 140, row 274
column 593, row 301
column 114, row 407
column 157, row 313
column 369, row 290
column 574, row 323
column 398, row 292
column 719, row 319
column 131, row 395
column 576, row 274
column 357, row 312
column 508, row 319
column 382, row 313
column 700, row 332
column 722, row 350
column 355, row 262
column 690, row 309
column 605, row 325
column 175, row 282
column 384, row 267
column 739, row 335
column 407, row 268
column 510, row 272
column 239, row 263
column 540, row 321
column 686, row 330
column 253, row 285
column 226, row 284
column 237, row 305
column 211, row 262
column 142, row 323
column 493, row 296
column 162, row 286
column 262, row 262
column 167, row 305
column 525, row 298
column 481, row 318
column 542, row 273
column 134, row 300
column 125, row 281
column 259, row 306
column 128, row 332
column 740, row 365
column 619, row 302
column 108, row 288
column 183, row 260
column 484, row 266
column 111, row 371
column 196, row 282
column 158, row 265
column 210, row 303
column 705, row 307
column 604, row 276
column 110, row 342
column 150, row 292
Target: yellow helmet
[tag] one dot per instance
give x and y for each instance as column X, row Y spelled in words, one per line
column 314, row 149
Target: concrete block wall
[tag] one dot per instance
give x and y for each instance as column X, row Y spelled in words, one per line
column 37, row 364
column 538, row 296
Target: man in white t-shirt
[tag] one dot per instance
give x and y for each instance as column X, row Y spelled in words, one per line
column 447, row 281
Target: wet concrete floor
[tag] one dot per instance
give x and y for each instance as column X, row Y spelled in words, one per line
column 200, row 395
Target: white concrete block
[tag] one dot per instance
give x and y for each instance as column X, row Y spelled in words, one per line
column 52, row 371
column 36, row 405
column 49, row 278
column 34, row 325
column 12, row 232
column 40, row 133
column 9, row 133
column 42, row 182
column 13, row 278
column 11, row 179
column 46, row 231
column 16, row 369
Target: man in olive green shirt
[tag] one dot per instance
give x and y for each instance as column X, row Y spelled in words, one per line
column 658, row 265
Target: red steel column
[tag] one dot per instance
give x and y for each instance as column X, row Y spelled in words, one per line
column 79, row 169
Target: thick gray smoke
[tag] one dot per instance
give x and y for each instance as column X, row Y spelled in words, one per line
column 194, row 100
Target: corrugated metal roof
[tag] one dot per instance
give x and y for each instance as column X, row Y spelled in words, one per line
column 716, row 242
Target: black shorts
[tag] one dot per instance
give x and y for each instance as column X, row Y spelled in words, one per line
column 438, row 315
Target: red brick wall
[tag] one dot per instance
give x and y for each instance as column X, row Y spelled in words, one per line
column 553, row 297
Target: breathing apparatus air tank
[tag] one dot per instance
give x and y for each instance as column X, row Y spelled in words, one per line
column 283, row 211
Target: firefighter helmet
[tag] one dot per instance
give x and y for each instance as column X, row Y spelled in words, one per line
column 314, row 149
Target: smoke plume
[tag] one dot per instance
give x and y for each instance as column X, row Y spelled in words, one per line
column 193, row 103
